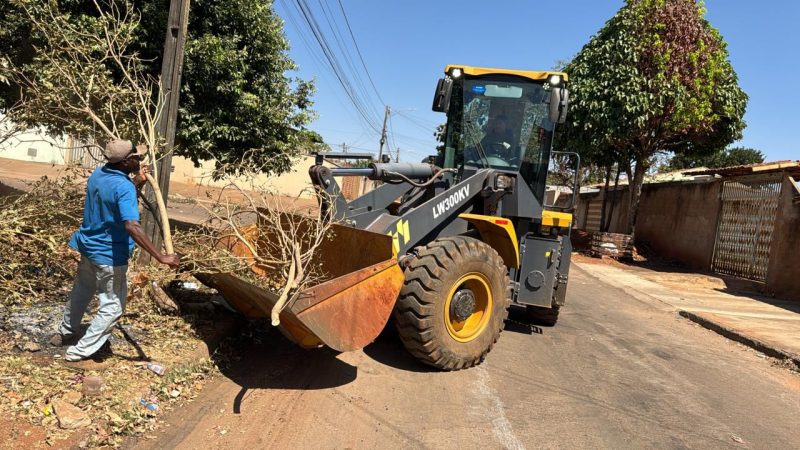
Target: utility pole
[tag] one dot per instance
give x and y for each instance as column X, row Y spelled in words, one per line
column 397, row 155
column 344, row 147
column 383, row 132
column 171, row 69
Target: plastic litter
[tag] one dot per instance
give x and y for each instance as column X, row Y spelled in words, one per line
column 157, row 369
column 149, row 405
column 92, row 385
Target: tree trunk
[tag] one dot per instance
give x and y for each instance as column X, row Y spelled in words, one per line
column 605, row 200
column 636, row 193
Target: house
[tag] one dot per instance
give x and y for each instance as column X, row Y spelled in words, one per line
column 35, row 147
column 740, row 221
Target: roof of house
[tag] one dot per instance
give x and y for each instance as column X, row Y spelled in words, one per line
column 665, row 177
column 749, row 169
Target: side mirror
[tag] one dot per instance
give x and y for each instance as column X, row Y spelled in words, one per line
column 559, row 101
column 441, row 99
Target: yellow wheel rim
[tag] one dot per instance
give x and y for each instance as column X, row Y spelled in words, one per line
column 472, row 326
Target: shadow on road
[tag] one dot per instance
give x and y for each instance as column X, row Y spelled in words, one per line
column 389, row 351
column 267, row 360
column 6, row 190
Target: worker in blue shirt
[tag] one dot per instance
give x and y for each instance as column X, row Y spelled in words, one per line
column 105, row 241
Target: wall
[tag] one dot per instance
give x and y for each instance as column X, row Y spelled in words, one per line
column 679, row 221
column 783, row 275
column 293, row 183
column 676, row 220
column 35, row 148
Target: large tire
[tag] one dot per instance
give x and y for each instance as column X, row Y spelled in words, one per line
column 433, row 314
column 543, row 316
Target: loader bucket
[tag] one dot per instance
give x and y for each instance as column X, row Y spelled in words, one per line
column 347, row 310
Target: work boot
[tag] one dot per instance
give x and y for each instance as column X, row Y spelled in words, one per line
column 60, row 340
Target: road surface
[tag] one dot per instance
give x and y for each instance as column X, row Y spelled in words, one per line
column 616, row 372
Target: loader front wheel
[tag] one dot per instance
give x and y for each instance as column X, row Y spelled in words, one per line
column 453, row 303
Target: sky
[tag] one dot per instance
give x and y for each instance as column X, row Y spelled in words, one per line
column 405, row 46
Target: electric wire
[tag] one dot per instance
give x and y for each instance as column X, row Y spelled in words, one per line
column 334, row 64
column 360, row 57
column 330, row 18
column 316, row 55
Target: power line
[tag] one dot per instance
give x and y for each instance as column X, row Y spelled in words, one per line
column 417, row 123
column 334, row 64
column 345, row 51
column 360, row 57
column 318, row 58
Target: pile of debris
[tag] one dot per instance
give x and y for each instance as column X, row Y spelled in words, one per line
column 36, row 389
column 35, row 263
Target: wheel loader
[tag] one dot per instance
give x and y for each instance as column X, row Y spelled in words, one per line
column 446, row 245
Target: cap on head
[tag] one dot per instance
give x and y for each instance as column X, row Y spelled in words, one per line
column 119, row 149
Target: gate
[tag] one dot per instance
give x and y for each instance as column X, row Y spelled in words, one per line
column 86, row 156
column 744, row 229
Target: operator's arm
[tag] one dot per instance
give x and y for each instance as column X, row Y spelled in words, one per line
column 136, row 232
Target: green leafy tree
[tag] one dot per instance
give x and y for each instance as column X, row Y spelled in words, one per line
column 655, row 78
column 237, row 105
column 735, row 156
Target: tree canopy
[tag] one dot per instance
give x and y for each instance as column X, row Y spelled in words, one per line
column 735, row 156
column 655, row 78
column 237, row 98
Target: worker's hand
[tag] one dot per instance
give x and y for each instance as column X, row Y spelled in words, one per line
column 173, row 261
column 140, row 178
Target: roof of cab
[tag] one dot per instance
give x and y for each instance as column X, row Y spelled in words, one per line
column 533, row 75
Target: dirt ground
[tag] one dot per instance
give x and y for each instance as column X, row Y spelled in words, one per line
column 675, row 276
column 616, row 372
column 33, row 379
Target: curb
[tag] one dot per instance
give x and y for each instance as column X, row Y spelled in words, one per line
column 734, row 335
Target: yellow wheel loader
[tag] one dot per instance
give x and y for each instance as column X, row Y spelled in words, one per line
column 446, row 245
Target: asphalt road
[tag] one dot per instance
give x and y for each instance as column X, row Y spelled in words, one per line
column 616, row 372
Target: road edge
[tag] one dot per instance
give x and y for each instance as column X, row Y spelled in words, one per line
column 755, row 344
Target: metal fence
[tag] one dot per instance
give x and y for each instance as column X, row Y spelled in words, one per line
column 86, row 156
column 744, row 230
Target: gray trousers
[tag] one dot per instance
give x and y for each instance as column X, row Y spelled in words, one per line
column 111, row 286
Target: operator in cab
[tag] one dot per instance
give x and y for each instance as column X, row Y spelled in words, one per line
column 499, row 139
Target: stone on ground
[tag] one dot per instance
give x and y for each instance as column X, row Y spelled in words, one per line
column 70, row 417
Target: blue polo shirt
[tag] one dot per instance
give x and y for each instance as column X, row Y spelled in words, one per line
column 110, row 201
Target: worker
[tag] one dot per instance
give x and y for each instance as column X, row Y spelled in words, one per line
column 105, row 241
column 499, row 140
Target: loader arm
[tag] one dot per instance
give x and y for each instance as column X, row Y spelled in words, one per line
column 428, row 219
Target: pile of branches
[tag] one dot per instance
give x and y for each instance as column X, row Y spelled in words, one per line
column 35, row 262
column 268, row 239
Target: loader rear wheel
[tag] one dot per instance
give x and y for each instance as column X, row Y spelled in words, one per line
column 543, row 316
column 453, row 303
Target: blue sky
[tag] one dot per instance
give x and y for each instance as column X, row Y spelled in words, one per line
column 406, row 44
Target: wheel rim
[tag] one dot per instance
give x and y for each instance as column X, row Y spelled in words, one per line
column 466, row 329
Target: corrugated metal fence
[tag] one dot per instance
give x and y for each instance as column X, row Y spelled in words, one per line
column 85, row 156
column 745, row 225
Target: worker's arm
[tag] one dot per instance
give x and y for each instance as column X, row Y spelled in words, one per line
column 136, row 232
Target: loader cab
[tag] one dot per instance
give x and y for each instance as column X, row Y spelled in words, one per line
column 500, row 119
